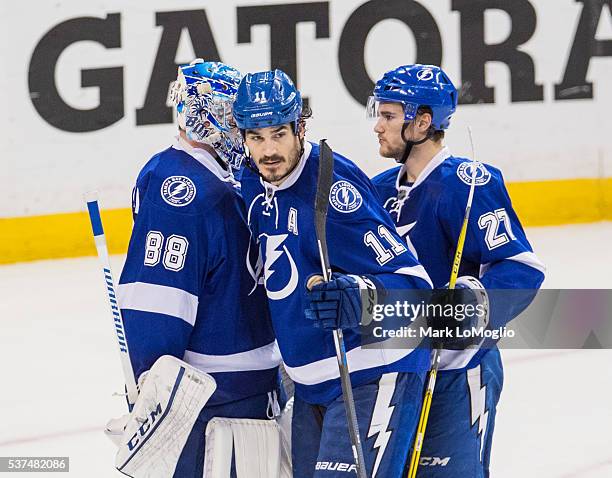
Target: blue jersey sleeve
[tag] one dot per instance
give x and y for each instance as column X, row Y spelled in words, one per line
column 495, row 241
column 171, row 253
column 363, row 240
column 158, row 287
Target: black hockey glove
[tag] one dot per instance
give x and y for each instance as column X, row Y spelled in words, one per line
column 460, row 315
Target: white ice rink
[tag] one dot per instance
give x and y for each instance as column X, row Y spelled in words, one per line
column 59, row 368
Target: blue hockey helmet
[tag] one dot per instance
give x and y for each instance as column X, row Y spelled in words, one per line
column 203, row 94
column 414, row 86
column 267, row 98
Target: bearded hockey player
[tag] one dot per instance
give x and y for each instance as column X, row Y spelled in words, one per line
column 185, row 290
column 279, row 189
column 426, row 196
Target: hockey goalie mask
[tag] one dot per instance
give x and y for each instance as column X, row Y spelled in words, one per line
column 203, row 95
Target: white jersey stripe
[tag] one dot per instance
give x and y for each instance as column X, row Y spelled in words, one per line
column 527, row 258
column 358, row 359
column 417, row 271
column 262, row 358
column 455, row 359
column 158, row 299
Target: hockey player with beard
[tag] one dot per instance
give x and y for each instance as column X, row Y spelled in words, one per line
column 186, row 292
column 365, row 252
column 426, row 196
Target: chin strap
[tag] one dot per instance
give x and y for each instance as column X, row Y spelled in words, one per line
column 410, row 144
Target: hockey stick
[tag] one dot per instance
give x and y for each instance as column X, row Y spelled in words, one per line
column 324, row 183
column 100, row 240
column 435, row 361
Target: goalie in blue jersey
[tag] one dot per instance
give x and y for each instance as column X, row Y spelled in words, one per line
column 426, row 196
column 365, row 252
column 186, row 292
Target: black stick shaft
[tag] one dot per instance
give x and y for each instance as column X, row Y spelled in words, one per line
column 324, row 183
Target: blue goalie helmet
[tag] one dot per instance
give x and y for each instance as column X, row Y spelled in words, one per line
column 414, row 86
column 267, row 98
column 203, row 94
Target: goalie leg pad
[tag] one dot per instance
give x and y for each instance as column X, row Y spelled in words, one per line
column 284, row 427
column 254, row 444
column 169, row 404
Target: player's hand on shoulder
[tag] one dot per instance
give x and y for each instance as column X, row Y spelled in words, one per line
column 334, row 304
column 459, row 311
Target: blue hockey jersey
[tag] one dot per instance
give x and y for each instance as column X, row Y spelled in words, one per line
column 361, row 240
column 429, row 214
column 185, row 289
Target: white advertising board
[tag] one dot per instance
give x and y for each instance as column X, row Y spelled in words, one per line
column 84, row 83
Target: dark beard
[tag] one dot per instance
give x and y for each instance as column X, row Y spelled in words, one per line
column 395, row 153
column 295, row 159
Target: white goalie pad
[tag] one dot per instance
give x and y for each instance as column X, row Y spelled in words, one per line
column 284, row 425
column 255, row 446
column 115, row 427
column 169, row 403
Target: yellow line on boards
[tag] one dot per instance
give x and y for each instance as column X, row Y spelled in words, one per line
column 538, row 203
column 568, row 201
column 61, row 235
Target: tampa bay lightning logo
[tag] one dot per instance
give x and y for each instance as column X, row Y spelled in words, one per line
column 425, row 74
column 178, row 190
column 344, row 197
column 466, row 169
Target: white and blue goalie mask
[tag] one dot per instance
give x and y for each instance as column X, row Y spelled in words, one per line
column 203, row 94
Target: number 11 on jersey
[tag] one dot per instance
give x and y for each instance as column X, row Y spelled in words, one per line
column 383, row 255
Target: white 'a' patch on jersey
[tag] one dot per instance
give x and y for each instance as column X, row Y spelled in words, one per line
column 292, row 221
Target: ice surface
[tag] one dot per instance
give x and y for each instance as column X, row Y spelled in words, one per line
column 59, row 368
